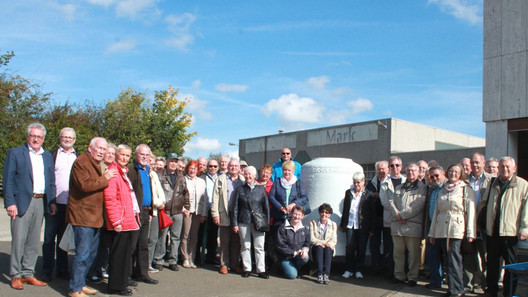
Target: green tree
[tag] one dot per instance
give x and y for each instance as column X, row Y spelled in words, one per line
column 169, row 123
column 21, row 102
column 86, row 120
column 132, row 119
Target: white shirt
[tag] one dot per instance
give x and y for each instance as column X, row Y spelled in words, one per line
column 37, row 163
column 63, row 166
column 353, row 218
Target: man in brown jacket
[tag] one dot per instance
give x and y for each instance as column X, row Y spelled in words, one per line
column 85, row 211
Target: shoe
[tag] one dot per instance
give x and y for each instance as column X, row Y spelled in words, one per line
column 246, row 274
column 153, row 270
column 159, row 267
column 147, row 280
column 263, row 275
column 397, row 281
column 32, row 281
column 193, row 266
column 132, row 283
column 46, row 277
column 457, row 295
column 186, row 264
column 64, row 275
column 16, row 283
column 359, row 274
column 89, row 291
column 77, row 294
column 223, row 270
column 432, row 286
column 326, row 279
column 104, row 274
column 174, row 267
column 411, row 283
column 237, row 270
column 347, row 274
column 320, row 279
column 125, row 292
column 94, row 279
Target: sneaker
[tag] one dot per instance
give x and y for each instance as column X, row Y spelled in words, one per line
column 320, row 279
column 347, row 274
column 153, row 270
column 359, row 274
column 326, row 279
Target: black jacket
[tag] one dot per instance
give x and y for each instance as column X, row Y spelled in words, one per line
column 367, row 211
column 241, row 212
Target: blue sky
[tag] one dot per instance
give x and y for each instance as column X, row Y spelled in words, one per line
column 251, row 68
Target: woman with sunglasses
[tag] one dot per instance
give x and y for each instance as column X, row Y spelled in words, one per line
column 323, row 237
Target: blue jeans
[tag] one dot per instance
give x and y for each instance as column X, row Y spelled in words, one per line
column 292, row 266
column 86, row 244
column 323, row 258
column 355, row 249
column 433, row 257
column 55, row 226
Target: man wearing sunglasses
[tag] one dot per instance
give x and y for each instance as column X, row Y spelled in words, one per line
column 386, row 194
column 286, row 155
column 210, row 227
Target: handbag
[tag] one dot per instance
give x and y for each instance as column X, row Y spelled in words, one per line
column 163, row 219
column 260, row 220
column 67, row 242
column 467, row 247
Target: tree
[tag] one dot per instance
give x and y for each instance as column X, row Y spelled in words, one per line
column 21, row 102
column 169, row 123
column 132, row 119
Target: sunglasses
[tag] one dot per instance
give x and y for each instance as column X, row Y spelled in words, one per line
column 213, row 166
column 394, row 165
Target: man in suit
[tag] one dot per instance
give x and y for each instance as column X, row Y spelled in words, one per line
column 55, row 224
column 29, row 183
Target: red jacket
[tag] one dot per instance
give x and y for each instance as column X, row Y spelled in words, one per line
column 118, row 202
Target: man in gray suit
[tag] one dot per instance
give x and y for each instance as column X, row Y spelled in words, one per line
column 29, row 186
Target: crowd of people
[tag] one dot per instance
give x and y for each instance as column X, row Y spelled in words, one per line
column 457, row 225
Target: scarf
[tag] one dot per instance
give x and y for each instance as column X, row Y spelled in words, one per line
column 288, row 184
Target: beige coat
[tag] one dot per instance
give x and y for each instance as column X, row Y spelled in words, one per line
column 386, row 193
column 220, row 205
column 514, row 211
column 409, row 203
column 330, row 236
column 451, row 218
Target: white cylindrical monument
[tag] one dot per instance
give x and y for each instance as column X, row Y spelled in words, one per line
column 326, row 180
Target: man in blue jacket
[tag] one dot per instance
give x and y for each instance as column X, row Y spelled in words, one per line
column 286, row 155
column 29, row 187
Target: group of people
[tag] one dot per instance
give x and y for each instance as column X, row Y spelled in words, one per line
column 459, row 223
column 463, row 219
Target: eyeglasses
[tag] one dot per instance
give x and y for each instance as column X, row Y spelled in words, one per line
column 325, row 212
column 36, row 136
column 286, row 153
column 213, row 166
column 394, row 165
column 67, row 137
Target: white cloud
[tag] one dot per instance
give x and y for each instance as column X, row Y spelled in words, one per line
column 121, row 46
column 360, row 105
column 318, row 83
column 104, row 3
column 467, row 10
column 292, row 110
column 202, row 144
column 68, row 10
column 131, row 8
column 196, row 84
column 230, row 88
column 197, row 107
column 179, row 26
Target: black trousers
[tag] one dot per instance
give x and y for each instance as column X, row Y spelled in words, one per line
column 505, row 247
column 119, row 259
column 140, row 253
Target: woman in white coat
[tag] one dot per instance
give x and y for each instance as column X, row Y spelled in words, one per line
column 454, row 221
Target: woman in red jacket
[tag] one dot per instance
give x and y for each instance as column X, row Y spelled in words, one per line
column 122, row 217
